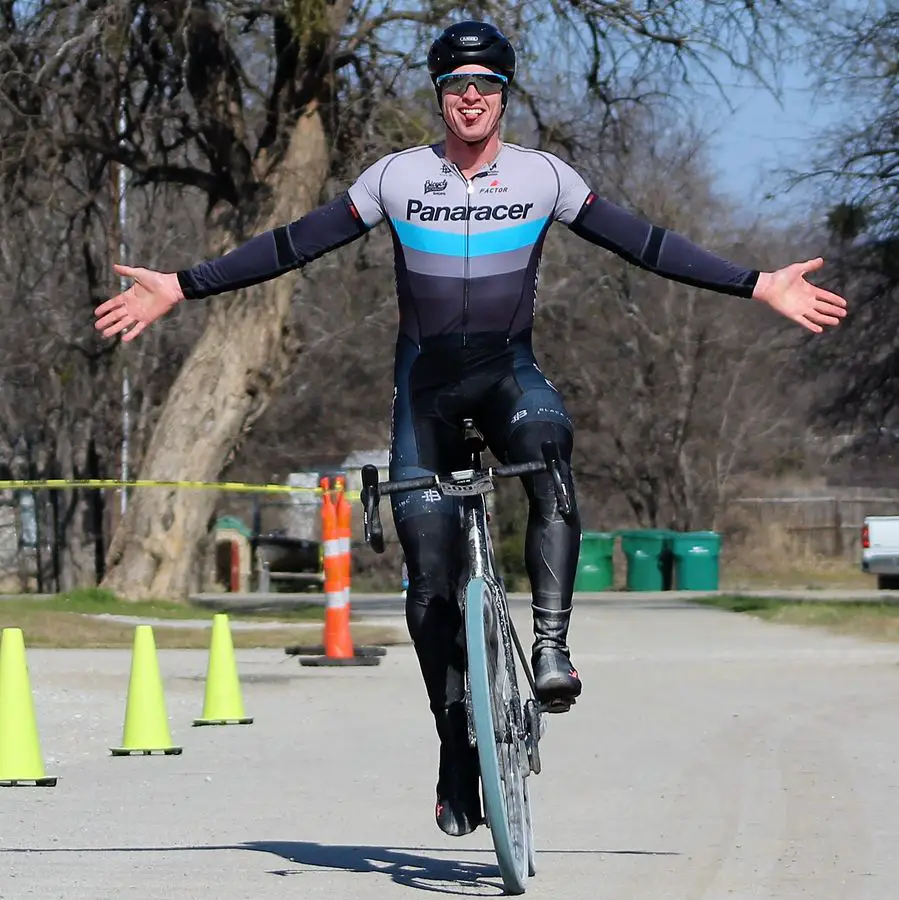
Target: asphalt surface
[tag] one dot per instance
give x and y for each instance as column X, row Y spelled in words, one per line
column 712, row 756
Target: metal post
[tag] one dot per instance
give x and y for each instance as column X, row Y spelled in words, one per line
column 126, row 385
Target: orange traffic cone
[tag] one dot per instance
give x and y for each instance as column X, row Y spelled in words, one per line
column 338, row 643
column 344, row 533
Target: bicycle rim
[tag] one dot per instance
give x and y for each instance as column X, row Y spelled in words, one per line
column 499, row 748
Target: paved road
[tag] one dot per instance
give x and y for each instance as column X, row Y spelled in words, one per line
column 713, row 756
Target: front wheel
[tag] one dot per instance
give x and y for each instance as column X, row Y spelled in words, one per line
column 501, row 749
column 532, row 846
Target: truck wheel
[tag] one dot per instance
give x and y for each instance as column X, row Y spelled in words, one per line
column 888, row 582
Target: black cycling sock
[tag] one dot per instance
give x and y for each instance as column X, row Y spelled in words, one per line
column 432, row 608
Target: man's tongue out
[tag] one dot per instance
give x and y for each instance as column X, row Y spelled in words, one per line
column 470, row 115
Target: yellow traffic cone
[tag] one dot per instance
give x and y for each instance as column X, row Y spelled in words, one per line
column 222, row 704
column 20, row 748
column 146, row 723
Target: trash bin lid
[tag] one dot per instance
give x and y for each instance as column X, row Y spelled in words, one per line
column 233, row 523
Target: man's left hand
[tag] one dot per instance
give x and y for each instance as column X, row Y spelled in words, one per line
column 787, row 292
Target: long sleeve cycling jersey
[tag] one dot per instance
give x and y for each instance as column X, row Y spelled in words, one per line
column 467, row 251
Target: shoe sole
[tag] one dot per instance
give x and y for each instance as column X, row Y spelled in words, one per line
column 465, row 826
column 558, row 696
column 557, row 705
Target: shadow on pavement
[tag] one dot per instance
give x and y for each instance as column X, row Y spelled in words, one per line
column 410, row 867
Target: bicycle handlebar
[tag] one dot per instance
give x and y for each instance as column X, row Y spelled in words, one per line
column 429, row 481
column 372, row 489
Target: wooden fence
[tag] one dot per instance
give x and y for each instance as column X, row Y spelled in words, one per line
column 823, row 525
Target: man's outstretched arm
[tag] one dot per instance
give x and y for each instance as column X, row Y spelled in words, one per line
column 659, row 250
column 673, row 256
column 266, row 256
column 275, row 252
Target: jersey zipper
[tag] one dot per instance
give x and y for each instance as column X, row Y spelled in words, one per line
column 469, row 188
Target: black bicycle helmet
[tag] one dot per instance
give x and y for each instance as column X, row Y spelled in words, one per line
column 471, row 42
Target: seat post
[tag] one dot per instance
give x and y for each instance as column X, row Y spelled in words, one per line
column 474, row 443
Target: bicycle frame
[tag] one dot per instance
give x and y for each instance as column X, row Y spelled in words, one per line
column 471, row 485
column 481, row 563
column 505, row 732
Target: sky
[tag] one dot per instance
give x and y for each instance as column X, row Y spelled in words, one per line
column 752, row 144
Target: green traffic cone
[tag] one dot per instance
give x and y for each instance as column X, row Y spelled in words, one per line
column 222, row 704
column 146, row 722
column 20, row 749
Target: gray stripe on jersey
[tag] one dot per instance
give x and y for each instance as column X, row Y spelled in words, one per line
column 441, row 266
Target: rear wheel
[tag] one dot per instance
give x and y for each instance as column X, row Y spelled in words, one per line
column 501, row 749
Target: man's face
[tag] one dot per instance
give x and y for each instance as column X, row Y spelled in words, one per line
column 472, row 115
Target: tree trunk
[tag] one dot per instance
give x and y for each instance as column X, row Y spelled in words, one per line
column 223, row 387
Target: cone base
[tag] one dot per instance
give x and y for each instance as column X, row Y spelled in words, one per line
column 305, row 650
column 369, row 650
column 341, row 661
column 28, row 782
column 319, row 650
column 242, row 721
column 133, row 751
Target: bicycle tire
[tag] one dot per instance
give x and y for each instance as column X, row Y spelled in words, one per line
column 532, row 846
column 499, row 748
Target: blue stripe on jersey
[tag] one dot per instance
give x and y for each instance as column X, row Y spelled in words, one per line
column 429, row 240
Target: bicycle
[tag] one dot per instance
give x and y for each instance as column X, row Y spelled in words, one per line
column 505, row 729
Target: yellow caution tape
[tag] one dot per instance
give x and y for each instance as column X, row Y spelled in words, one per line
column 59, row 483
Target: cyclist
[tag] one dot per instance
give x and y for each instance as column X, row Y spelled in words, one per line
column 468, row 216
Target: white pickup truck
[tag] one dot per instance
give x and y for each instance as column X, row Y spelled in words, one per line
column 880, row 550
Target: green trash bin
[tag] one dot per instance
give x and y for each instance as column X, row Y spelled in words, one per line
column 648, row 554
column 595, row 568
column 696, row 555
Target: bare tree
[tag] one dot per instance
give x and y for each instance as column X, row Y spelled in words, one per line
column 674, row 390
column 249, row 107
column 61, row 385
column 858, row 165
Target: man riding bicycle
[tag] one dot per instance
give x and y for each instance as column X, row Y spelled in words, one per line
column 468, row 218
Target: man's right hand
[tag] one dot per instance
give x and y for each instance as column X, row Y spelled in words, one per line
column 149, row 298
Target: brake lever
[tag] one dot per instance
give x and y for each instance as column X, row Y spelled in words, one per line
column 371, row 513
column 553, row 459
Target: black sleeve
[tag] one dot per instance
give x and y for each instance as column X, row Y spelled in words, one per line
column 275, row 252
column 658, row 250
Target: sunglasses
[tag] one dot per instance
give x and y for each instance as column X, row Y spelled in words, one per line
column 485, row 83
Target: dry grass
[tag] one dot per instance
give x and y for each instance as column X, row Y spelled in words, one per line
column 48, row 628
column 865, row 619
column 773, row 557
column 878, row 623
column 85, row 618
column 98, row 601
column 823, row 573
